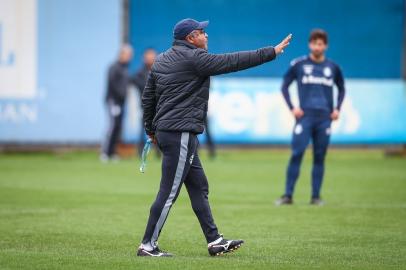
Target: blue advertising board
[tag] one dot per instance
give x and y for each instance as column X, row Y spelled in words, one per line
column 254, row 111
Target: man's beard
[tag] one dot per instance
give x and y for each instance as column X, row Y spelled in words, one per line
column 318, row 54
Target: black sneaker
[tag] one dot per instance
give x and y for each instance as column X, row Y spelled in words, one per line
column 284, row 200
column 224, row 246
column 317, row 201
column 154, row 253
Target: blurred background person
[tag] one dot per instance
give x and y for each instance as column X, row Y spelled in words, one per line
column 139, row 79
column 315, row 75
column 117, row 83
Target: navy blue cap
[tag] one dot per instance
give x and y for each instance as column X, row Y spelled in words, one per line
column 186, row 26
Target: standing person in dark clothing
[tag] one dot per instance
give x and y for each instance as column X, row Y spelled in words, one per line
column 139, row 80
column 117, row 84
column 175, row 102
column 315, row 75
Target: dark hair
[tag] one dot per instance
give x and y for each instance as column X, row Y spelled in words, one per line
column 147, row 49
column 318, row 34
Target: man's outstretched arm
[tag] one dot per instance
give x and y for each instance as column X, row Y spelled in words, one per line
column 208, row 64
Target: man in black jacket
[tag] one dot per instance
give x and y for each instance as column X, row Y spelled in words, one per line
column 117, row 83
column 175, row 103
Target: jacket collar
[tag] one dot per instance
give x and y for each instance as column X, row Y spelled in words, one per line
column 178, row 42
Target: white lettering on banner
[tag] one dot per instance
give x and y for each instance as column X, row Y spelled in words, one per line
column 18, row 48
column 271, row 115
column 18, row 113
column 236, row 112
column 263, row 114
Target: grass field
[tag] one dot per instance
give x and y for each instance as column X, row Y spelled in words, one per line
column 69, row 211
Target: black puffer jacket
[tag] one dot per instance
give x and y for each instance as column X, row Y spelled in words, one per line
column 177, row 91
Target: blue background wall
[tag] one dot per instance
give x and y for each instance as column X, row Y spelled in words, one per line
column 251, row 111
column 77, row 40
column 365, row 35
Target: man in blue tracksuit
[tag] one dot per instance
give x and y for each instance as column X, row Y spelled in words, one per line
column 315, row 76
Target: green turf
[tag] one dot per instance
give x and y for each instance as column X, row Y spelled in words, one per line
column 69, row 211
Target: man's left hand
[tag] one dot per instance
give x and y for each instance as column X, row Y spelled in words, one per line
column 153, row 138
column 284, row 43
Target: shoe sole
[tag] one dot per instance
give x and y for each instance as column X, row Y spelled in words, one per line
column 228, row 251
column 144, row 254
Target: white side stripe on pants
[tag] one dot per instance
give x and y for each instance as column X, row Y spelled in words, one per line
column 175, row 186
